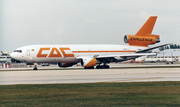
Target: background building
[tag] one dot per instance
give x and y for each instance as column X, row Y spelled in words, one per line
column 170, row 55
column 5, row 57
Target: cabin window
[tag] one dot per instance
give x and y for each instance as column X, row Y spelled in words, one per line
column 20, row 51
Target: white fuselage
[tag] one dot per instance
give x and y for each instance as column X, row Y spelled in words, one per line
column 68, row 53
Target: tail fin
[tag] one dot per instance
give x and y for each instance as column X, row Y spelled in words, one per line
column 144, row 37
column 147, row 28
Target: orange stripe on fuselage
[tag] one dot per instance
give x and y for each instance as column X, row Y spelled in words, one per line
column 98, row 51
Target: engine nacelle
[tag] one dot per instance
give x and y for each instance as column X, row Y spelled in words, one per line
column 66, row 64
column 88, row 62
column 141, row 40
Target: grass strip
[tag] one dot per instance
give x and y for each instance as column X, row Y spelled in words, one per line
column 97, row 94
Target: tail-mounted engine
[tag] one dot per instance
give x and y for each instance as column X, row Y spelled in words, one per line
column 144, row 37
column 141, row 40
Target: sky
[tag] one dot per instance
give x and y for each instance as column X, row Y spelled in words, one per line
column 30, row 22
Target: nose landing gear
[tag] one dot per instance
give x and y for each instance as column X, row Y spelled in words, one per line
column 35, row 67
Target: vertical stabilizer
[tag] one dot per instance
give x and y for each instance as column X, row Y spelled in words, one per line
column 147, row 28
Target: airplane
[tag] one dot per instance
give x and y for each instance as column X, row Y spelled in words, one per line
column 90, row 55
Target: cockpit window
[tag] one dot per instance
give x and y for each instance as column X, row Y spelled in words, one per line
column 20, row 51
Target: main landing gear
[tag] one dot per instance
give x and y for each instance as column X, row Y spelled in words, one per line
column 102, row 67
column 98, row 67
column 89, row 67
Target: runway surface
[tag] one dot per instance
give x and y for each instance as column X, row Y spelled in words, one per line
column 89, row 76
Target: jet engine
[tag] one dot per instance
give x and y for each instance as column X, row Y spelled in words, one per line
column 144, row 36
column 141, row 40
column 88, row 62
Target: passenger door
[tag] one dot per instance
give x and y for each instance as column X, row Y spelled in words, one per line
column 28, row 52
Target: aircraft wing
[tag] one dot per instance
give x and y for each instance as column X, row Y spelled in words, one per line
column 126, row 55
column 115, row 55
column 136, row 54
column 145, row 50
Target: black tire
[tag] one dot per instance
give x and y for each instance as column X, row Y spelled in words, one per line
column 102, row 67
column 99, row 67
column 35, row 69
column 89, row 67
column 106, row 67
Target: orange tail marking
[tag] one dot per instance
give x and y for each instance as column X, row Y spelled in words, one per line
column 147, row 28
column 144, row 37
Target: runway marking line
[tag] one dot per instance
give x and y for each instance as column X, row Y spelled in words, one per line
column 136, row 79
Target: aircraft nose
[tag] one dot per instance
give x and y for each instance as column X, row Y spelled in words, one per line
column 13, row 55
column 17, row 54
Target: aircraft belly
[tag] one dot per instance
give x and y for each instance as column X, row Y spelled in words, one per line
column 56, row 60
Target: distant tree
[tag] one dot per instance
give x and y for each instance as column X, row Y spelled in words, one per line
column 172, row 46
column 167, row 47
column 161, row 48
column 175, row 46
column 178, row 46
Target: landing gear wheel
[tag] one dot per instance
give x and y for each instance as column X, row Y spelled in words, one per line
column 99, row 67
column 35, row 67
column 102, row 67
column 106, row 66
column 89, row 67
